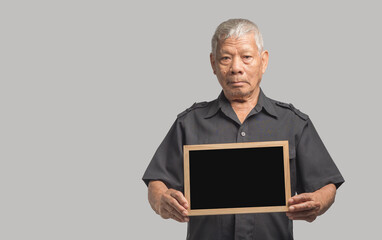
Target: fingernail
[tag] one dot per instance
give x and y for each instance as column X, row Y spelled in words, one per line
column 291, row 208
column 185, row 213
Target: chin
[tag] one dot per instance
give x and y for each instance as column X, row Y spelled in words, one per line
column 238, row 93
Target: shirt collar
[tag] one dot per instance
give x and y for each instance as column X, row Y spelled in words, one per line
column 222, row 103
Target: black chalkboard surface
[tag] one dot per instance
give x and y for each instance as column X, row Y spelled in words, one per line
column 237, row 177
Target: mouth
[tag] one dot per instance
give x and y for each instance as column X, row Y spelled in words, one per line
column 237, row 83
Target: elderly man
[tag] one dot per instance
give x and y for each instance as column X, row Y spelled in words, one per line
column 243, row 113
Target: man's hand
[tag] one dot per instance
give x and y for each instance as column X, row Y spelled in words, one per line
column 168, row 203
column 173, row 205
column 307, row 206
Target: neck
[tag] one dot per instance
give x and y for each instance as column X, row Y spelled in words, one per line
column 243, row 105
column 248, row 101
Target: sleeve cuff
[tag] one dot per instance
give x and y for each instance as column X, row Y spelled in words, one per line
column 336, row 180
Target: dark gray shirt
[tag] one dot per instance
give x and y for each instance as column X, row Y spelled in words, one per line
column 216, row 122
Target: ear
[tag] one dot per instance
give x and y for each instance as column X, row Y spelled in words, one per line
column 264, row 60
column 212, row 60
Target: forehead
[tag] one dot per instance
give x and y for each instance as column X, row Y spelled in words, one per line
column 245, row 42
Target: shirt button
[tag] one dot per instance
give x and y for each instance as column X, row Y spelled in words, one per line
column 242, row 134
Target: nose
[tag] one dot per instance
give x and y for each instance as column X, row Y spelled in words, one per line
column 236, row 66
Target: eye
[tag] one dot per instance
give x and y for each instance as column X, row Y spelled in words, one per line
column 225, row 59
column 247, row 58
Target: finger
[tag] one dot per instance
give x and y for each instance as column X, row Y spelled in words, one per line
column 173, row 212
column 303, row 214
column 168, row 215
column 177, row 218
column 308, row 219
column 174, row 215
column 180, row 198
column 305, row 206
column 168, row 199
column 175, row 204
column 304, row 197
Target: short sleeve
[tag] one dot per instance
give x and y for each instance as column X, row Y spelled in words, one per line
column 167, row 162
column 315, row 167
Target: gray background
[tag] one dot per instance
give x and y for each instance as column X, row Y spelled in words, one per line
column 90, row 88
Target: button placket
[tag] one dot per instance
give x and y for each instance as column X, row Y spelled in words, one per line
column 242, row 133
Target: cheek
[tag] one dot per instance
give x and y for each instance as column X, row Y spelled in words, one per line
column 254, row 71
column 221, row 72
column 222, row 69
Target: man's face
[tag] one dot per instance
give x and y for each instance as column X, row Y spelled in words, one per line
column 238, row 66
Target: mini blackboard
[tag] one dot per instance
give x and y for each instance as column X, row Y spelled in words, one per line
column 235, row 178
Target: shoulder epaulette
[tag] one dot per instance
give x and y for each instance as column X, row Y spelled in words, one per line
column 194, row 106
column 295, row 110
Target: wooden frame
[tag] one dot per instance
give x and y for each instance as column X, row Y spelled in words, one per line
column 235, row 149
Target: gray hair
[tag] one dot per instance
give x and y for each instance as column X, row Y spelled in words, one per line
column 236, row 28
